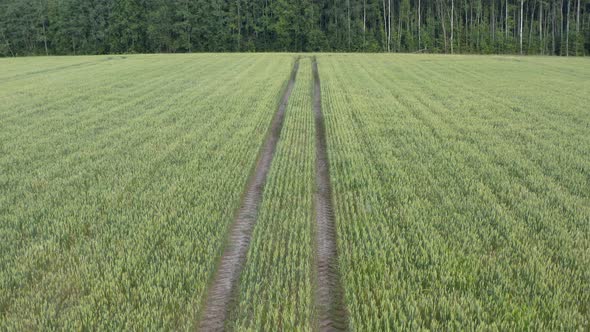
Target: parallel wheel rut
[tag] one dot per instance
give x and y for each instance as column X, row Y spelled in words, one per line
column 329, row 294
column 222, row 289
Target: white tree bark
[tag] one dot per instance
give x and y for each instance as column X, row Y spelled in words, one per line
column 541, row 27
column 419, row 16
column 452, row 19
column 348, row 10
column 364, row 22
column 520, row 30
column 567, row 30
column 578, row 19
column 385, row 26
column 389, row 33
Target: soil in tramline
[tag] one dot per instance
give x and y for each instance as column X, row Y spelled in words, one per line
column 224, row 283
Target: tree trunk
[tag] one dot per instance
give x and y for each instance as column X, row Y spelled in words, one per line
column 399, row 31
column 493, row 16
column 452, row 18
column 386, row 43
column 348, row 10
column 419, row 36
column 506, row 20
column 7, row 44
column 441, row 11
column 521, row 8
column 471, row 27
column 389, row 33
column 364, row 23
column 336, row 22
column 553, row 31
column 578, row 19
column 45, row 38
column 567, row 30
column 188, row 25
column 466, row 27
column 239, row 27
column 532, row 16
column 515, row 34
column 561, row 29
column 579, row 48
column 541, row 27
column 478, row 20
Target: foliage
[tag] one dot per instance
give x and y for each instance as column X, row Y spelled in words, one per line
column 31, row 27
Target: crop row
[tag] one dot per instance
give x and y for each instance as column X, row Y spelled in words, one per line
column 460, row 194
column 460, row 187
column 275, row 290
column 119, row 179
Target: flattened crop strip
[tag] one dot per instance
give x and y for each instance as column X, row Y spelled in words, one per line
column 329, row 294
column 227, row 275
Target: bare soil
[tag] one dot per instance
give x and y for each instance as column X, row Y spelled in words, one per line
column 222, row 289
column 329, row 294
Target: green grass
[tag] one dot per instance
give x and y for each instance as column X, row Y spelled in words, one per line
column 461, row 189
column 118, row 181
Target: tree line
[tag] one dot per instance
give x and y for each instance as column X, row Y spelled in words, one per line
column 53, row 27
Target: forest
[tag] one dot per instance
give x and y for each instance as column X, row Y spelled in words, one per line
column 71, row 27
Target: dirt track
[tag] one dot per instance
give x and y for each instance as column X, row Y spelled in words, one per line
column 329, row 295
column 221, row 291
